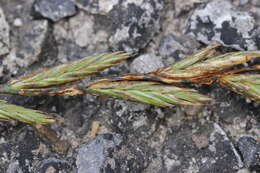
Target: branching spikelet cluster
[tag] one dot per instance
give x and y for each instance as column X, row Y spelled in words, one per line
column 162, row 87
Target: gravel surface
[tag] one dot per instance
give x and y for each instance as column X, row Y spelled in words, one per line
column 116, row 136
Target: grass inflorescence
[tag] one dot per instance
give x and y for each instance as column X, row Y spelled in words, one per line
column 162, row 87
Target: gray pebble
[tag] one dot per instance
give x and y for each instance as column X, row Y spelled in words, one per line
column 146, row 63
column 220, row 21
column 250, row 150
column 54, row 9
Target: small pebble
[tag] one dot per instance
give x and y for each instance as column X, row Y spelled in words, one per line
column 146, row 63
column 244, row 170
column 250, row 151
column 201, row 141
column 18, row 22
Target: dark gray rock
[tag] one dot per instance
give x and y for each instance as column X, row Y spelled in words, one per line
column 4, row 34
column 170, row 46
column 33, row 37
column 134, row 24
column 173, row 47
column 78, row 117
column 130, row 24
column 6, row 156
column 18, row 154
column 54, row 9
column 97, row 6
column 108, row 153
column 230, row 114
column 31, row 41
column 219, row 20
column 119, row 25
column 187, row 151
column 250, row 151
column 14, row 167
column 29, row 45
column 91, row 156
column 186, row 6
column 52, row 164
column 157, row 144
column 134, row 119
column 79, row 37
column 146, row 63
column 85, row 32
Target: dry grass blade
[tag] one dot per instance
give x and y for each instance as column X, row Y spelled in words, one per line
column 200, row 67
column 225, row 61
column 13, row 112
column 152, row 93
column 189, row 60
column 247, row 85
column 206, row 71
column 61, row 74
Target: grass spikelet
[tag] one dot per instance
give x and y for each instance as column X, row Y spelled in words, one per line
column 247, row 85
column 205, row 71
column 147, row 92
column 45, row 81
column 13, row 112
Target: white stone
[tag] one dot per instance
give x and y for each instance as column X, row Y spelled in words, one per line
column 18, row 22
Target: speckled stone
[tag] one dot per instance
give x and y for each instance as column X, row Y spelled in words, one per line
column 134, row 23
column 4, row 34
column 219, row 20
column 92, row 156
column 146, row 63
column 29, row 46
column 183, row 154
column 52, row 165
column 97, row 6
column 250, row 150
column 54, row 9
